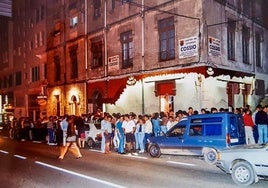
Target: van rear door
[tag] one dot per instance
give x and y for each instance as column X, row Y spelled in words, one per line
column 236, row 131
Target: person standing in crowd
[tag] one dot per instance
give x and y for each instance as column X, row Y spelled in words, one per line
column 71, row 141
column 190, row 111
column 80, row 127
column 50, row 131
column 120, row 135
column 59, row 133
column 64, row 127
column 163, row 124
column 148, row 128
column 156, row 124
column 140, row 130
column 249, row 124
column 255, row 129
column 103, row 125
column 261, row 119
column 129, row 130
column 108, row 134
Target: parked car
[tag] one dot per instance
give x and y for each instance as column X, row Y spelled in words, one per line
column 247, row 164
column 93, row 135
column 200, row 135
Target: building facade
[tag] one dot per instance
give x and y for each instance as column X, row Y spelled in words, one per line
column 77, row 56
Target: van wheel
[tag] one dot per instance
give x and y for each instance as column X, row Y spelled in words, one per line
column 90, row 143
column 154, row 150
column 243, row 174
column 210, row 156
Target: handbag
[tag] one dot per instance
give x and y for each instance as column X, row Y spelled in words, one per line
column 71, row 139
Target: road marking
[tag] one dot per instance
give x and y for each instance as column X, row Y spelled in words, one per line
column 38, row 142
column 180, row 163
column 80, row 175
column 20, row 157
column 95, row 150
column 133, row 156
column 2, row 151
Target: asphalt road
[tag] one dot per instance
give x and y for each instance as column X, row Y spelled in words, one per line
column 35, row 165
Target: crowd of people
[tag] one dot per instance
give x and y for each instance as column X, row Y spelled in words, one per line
column 128, row 133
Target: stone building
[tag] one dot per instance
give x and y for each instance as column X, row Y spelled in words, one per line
column 77, row 56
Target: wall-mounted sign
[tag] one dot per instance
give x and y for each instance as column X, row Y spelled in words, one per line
column 214, row 47
column 188, row 47
column 113, row 63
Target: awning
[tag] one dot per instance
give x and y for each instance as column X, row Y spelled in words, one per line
column 110, row 90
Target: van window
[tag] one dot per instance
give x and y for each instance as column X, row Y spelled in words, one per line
column 177, row 131
column 210, row 126
column 233, row 128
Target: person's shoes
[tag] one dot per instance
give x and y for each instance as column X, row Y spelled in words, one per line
column 142, row 151
column 129, row 154
column 135, row 153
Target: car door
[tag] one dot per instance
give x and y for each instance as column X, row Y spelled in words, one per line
column 171, row 143
column 193, row 140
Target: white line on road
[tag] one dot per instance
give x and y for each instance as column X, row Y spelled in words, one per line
column 19, row 156
column 133, row 156
column 2, row 151
column 38, row 142
column 80, row 175
column 180, row 163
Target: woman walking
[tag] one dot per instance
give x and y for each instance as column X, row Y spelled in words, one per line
column 71, row 141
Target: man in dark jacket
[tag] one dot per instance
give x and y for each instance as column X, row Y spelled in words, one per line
column 261, row 120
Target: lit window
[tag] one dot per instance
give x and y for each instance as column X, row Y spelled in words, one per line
column 73, row 21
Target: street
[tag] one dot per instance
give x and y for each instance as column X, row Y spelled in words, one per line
column 35, row 164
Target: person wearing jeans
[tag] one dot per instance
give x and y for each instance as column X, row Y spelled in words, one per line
column 261, row 120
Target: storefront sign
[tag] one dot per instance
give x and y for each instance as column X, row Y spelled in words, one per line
column 214, row 47
column 188, row 47
column 113, row 63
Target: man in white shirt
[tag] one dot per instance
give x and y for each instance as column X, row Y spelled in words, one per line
column 129, row 130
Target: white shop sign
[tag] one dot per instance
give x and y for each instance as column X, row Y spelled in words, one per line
column 188, row 47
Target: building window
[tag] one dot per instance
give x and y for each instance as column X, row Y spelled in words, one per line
column 10, row 80
column 96, row 49
column 36, row 39
column 126, row 1
column 247, row 7
column 166, row 31
column 97, row 8
column 41, row 38
column 245, row 44
column 73, row 21
column 127, row 49
column 231, row 39
column 57, row 69
column 18, row 78
column 258, row 49
column 113, row 4
column 37, row 15
column 35, row 74
column 74, row 63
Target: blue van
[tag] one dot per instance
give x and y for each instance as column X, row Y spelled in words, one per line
column 200, row 135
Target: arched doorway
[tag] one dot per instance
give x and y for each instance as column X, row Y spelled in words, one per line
column 74, row 105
